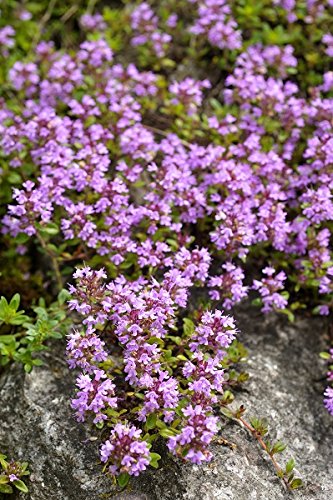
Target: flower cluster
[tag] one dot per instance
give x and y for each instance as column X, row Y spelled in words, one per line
column 188, row 93
column 96, row 393
column 91, row 22
column 6, row 39
column 85, row 350
column 74, row 193
column 144, row 23
column 216, row 23
column 328, row 394
column 269, row 288
column 228, row 286
column 141, row 316
column 328, row 400
column 129, row 453
column 199, row 430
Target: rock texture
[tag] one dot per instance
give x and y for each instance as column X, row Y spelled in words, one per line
column 285, row 386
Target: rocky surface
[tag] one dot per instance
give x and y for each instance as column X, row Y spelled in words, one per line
column 285, row 386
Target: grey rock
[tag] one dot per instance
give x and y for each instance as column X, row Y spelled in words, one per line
column 37, row 426
column 285, row 387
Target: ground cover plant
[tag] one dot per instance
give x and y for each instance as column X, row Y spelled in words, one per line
column 160, row 163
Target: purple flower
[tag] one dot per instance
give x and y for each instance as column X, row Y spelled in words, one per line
column 162, row 394
column 269, row 289
column 328, row 40
column 188, row 92
column 7, row 34
column 95, row 395
column 214, row 333
column 144, row 23
column 198, row 431
column 217, row 24
column 86, row 350
column 91, row 22
column 228, row 286
column 328, row 400
column 125, row 451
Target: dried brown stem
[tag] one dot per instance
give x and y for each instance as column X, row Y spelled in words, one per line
column 258, row 437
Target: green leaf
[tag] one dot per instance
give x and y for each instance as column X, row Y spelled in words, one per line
column 154, row 458
column 151, row 421
column 55, row 335
column 260, row 425
column 3, row 462
column 9, row 313
column 7, row 339
column 323, row 355
column 290, row 465
column 24, row 466
column 19, row 319
column 173, row 244
column 243, row 377
column 37, row 362
column 227, row 397
column 296, row 483
column 181, row 357
column 290, row 315
column 14, row 178
column 166, row 433
column 4, row 479
column 51, row 229
column 160, row 424
column 15, row 302
column 6, row 488
column 20, row 485
column 188, row 326
column 63, row 296
column 226, row 412
column 155, row 340
column 278, row 447
column 123, row 479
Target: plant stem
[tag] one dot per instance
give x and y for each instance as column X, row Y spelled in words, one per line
column 47, row 15
column 71, row 11
column 248, row 426
column 91, row 6
column 264, row 447
column 164, row 133
column 53, row 260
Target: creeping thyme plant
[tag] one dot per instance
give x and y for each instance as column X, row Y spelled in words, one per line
column 10, row 474
column 161, row 162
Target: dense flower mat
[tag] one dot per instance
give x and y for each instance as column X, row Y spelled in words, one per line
column 180, row 157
